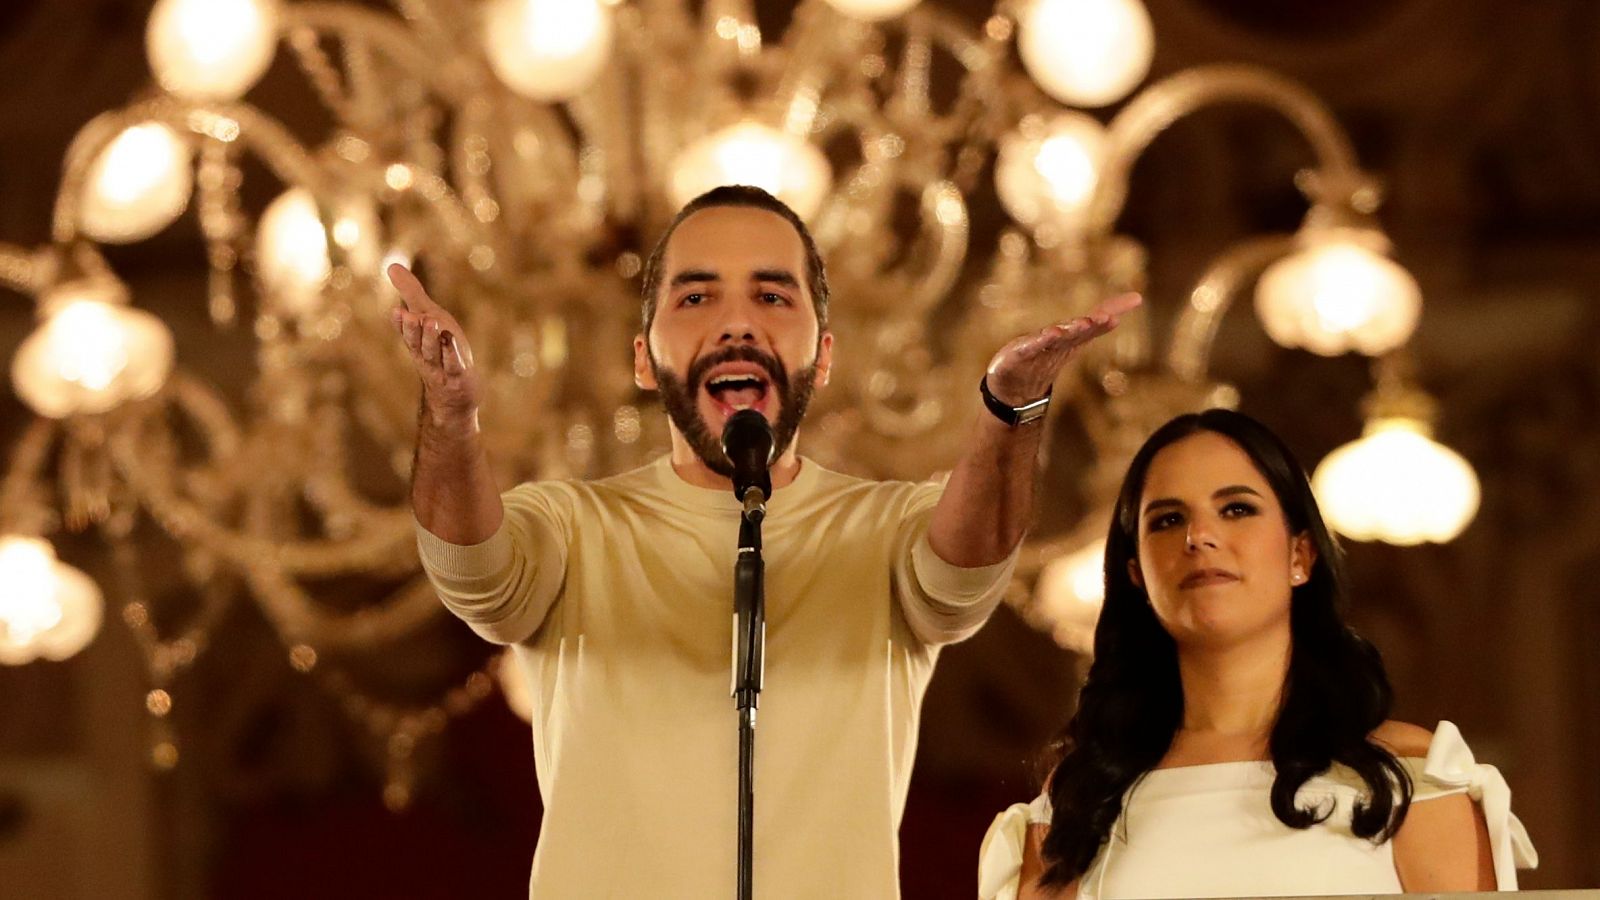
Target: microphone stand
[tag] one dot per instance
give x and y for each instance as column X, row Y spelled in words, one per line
column 749, row 645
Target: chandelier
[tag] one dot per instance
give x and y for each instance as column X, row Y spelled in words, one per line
column 522, row 154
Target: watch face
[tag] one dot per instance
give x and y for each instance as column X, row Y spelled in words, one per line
column 1032, row 413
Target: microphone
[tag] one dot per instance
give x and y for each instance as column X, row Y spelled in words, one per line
column 747, row 440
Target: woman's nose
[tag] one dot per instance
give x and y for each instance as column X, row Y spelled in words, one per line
column 1199, row 535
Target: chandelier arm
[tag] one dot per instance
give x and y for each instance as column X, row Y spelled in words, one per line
column 458, row 83
column 608, row 151
column 1162, row 104
column 386, row 538
column 983, row 59
column 947, row 242
column 320, row 71
column 208, row 410
column 300, row 619
column 815, row 41
column 22, row 270
column 471, row 160
column 218, row 209
column 327, row 482
column 28, row 458
column 1196, row 329
column 364, row 82
column 165, row 657
column 659, row 126
column 428, row 20
column 383, row 395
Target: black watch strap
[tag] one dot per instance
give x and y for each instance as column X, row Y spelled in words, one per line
column 1013, row 415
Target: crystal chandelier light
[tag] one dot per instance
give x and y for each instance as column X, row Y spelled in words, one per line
column 524, row 153
column 1396, row 484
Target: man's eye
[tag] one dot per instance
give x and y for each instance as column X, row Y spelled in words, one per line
column 774, row 299
column 692, row 299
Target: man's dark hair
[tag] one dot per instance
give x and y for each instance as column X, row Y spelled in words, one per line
column 738, row 195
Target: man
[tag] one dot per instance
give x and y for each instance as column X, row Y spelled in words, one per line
column 616, row 595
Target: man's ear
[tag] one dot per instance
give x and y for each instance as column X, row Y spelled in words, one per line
column 1134, row 575
column 644, row 374
column 824, row 358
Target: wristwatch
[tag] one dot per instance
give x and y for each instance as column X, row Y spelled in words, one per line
column 1013, row 415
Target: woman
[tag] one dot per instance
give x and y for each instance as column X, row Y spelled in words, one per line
column 1232, row 738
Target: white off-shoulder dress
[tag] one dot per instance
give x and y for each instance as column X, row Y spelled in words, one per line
column 1209, row 831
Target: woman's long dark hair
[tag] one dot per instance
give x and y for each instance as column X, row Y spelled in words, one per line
column 1335, row 693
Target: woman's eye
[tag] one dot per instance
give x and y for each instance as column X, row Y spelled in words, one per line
column 1164, row 521
column 692, row 299
column 1239, row 509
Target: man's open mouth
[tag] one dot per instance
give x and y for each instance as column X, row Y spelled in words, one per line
column 736, row 386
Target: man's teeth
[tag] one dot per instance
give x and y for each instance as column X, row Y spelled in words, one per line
column 737, row 391
column 724, row 380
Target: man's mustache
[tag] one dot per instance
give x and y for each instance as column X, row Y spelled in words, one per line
column 700, row 368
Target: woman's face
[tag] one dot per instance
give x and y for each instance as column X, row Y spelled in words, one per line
column 1215, row 553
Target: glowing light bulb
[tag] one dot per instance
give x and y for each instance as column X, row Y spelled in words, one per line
column 137, row 186
column 1086, row 52
column 211, row 49
column 872, row 10
column 1046, row 171
column 1338, row 295
column 547, row 49
column 1396, row 484
column 786, row 166
column 48, row 609
column 90, row 355
column 294, row 252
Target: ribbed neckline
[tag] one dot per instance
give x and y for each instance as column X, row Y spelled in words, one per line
column 723, row 500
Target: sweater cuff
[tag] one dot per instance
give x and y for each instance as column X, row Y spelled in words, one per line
column 954, row 585
column 464, row 562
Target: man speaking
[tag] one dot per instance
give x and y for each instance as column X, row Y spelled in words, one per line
column 616, row 595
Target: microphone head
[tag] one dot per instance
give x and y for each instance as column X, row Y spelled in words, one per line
column 748, row 442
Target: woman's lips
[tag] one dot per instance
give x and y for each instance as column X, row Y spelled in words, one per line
column 1206, row 578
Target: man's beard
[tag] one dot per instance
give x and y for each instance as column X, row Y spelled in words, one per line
column 680, row 397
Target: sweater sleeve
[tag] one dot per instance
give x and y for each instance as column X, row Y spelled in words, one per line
column 504, row 587
column 943, row 603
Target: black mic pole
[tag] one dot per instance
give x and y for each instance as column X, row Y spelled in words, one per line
column 747, row 440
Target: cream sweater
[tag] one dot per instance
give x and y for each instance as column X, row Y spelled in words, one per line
column 616, row 597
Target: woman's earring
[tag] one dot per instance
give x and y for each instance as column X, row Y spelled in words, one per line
column 1296, row 578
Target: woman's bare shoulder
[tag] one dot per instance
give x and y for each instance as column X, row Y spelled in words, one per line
column 1403, row 738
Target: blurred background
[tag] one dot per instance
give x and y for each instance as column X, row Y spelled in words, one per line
column 220, row 673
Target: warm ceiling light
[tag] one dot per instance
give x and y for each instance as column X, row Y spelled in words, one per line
column 137, row 185
column 1086, row 52
column 48, row 609
column 211, row 49
column 872, row 10
column 548, row 50
column 751, row 153
column 1396, row 484
column 91, row 353
column 1047, row 169
column 1339, row 293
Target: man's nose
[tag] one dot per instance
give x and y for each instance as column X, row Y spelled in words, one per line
column 737, row 328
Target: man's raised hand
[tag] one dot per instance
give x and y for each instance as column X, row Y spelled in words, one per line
column 439, row 351
column 1024, row 369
